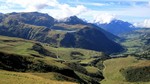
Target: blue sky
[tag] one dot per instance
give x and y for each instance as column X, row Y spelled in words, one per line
column 134, row 11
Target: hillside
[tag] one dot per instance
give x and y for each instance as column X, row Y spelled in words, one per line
column 126, row 71
column 43, row 28
column 28, row 56
column 90, row 38
column 32, row 61
column 41, row 61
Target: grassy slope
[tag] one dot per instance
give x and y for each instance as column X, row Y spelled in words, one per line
column 15, row 45
column 138, row 72
column 112, row 70
column 64, row 53
column 23, row 47
column 7, row 77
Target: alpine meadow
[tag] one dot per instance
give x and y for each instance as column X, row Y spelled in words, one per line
column 74, row 42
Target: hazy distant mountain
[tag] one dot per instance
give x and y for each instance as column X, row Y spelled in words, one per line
column 1, row 13
column 41, row 27
column 116, row 27
column 1, row 17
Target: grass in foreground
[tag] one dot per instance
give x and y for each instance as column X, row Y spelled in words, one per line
column 7, row 77
column 112, row 71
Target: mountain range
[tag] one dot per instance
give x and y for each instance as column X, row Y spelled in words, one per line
column 37, row 48
column 73, row 32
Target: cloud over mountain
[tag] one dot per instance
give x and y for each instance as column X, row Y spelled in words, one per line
column 53, row 7
column 144, row 24
column 104, row 18
column 126, row 10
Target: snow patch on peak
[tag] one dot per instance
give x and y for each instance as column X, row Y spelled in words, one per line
column 67, row 19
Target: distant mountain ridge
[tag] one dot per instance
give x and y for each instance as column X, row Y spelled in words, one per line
column 32, row 18
column 41, row 27
column 117, row 27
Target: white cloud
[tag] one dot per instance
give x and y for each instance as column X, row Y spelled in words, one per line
column 130, row 13
column 104, row 18
column 90, row 12
column 144, row 24
column 97, row 4
column 92, row 4
column 65, row 10
column 32, row 5
column 53, row 7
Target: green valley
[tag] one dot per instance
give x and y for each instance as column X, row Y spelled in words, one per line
column 37, row 48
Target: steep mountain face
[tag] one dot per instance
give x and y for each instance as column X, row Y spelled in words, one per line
column 41, row 27
column 27, row 31
column 90, row 38
column 108, row 34
column 117, row 27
